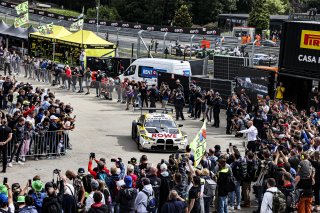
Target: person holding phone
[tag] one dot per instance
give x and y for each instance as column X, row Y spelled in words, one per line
column 6, row 201
column 5, row 138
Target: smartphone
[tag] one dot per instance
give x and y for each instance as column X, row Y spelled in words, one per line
column 5, row 180
column 30, row 182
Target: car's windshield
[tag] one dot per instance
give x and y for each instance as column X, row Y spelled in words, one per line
column 159, row 123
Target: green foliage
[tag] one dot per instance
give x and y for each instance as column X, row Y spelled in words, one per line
column 105, row 13
column 277, row 6
column 182, row 18
column 64, row 12
column 259, row 16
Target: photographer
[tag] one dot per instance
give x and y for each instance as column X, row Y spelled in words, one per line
column 101, row 163
column 53, row 202
column 6, row 202
column 114, row 178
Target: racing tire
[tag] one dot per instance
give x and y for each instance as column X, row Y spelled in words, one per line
column 140, row 148
column 133, row 132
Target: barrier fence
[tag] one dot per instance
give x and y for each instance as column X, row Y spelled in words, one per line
column 37, row 145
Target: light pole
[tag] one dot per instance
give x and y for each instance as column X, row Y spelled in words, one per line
column 97, row 7
column 252, row 52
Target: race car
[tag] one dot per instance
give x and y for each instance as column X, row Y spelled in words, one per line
column 158, row 132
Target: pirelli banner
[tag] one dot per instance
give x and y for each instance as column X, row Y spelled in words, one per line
column 300, row 49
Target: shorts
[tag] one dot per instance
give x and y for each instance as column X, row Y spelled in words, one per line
column 203, row 109
column 88, row 83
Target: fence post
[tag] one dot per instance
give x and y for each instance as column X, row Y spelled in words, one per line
column 132, row 49
column 205, row 65
column 164, row 42
column 191, row 42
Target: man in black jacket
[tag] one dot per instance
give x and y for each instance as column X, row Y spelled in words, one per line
column 155, row 182
column 53, row 203
column 127, row 196
column 217, row 101
column 179, row 104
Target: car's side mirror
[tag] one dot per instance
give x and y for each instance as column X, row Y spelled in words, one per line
column 139, row 124
column 180, row 125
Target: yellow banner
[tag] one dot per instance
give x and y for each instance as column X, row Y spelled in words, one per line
column 199, row 144
column 310, row 39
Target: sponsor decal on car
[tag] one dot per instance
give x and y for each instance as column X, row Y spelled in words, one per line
column 163, row 135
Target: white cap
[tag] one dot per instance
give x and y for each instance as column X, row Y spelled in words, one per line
column 163, row 167
column 53, row 117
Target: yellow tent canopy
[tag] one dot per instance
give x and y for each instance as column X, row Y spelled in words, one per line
column 86, row 40
column 58, row 32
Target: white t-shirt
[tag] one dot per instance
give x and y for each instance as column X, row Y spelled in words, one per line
column 90, row 201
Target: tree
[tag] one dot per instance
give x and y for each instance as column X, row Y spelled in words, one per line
column 259, row 16
column 105, row 13
column 182, row 17
column 277, row 7
column 244, row 6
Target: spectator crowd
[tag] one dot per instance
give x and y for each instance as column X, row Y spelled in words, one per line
column 280, row 165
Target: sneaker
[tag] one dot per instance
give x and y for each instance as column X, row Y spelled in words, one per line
column 20, row 163
column 23, row 159
column 9, row 164
column 36, row 159
column 87, row 93
column 238, row 207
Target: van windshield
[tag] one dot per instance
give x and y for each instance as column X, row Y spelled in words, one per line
column 130, row 71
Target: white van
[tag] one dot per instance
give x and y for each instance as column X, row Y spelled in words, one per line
column 146, row 69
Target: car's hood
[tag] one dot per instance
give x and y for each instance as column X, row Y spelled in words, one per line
column 163, row 133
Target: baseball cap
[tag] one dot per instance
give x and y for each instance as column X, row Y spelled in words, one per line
column 37, row 185
column 21, row 199
column 53, row 117
column 163, row 167
column 81, row 171
column 94, row 184
column 3, row 189
column 128, row 181
column 48, row 185
column 3, row 199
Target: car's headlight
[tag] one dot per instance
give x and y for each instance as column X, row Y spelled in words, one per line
column 142, row 132
column 147, row 138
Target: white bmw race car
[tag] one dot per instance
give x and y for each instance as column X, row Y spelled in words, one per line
column 158, row 132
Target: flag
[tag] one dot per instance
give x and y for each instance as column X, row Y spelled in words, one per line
column 45, row 29
column 22, row 20
column 22, row 8
column 199, row 144
column 78, row 23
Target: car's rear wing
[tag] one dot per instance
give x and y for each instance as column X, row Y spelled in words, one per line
column 151, row 110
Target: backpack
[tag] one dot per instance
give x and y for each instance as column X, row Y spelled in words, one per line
column 151, row 202
column 38, row 200
column 240, row 169
column 102, row 175
column 209, row 187
column 230, row 184
column 86, row 180
column 278, row 202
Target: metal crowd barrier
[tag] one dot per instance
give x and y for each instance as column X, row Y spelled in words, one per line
column 50, row 143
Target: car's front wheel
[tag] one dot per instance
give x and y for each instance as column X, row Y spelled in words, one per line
column 140, row 147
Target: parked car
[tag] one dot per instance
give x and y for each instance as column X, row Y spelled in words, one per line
column 263, row 59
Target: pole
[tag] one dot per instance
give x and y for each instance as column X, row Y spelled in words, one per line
column 252, row 52
column 53, row 51
column 164, row 42
column 98, row 5
column 132, row 48
column 191, row 43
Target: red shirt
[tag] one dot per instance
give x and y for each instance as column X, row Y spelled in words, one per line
column 68, row 73
column 94, row 173
column 134, row 180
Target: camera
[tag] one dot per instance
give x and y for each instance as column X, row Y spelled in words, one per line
column 92, row 155
column 56, row 171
